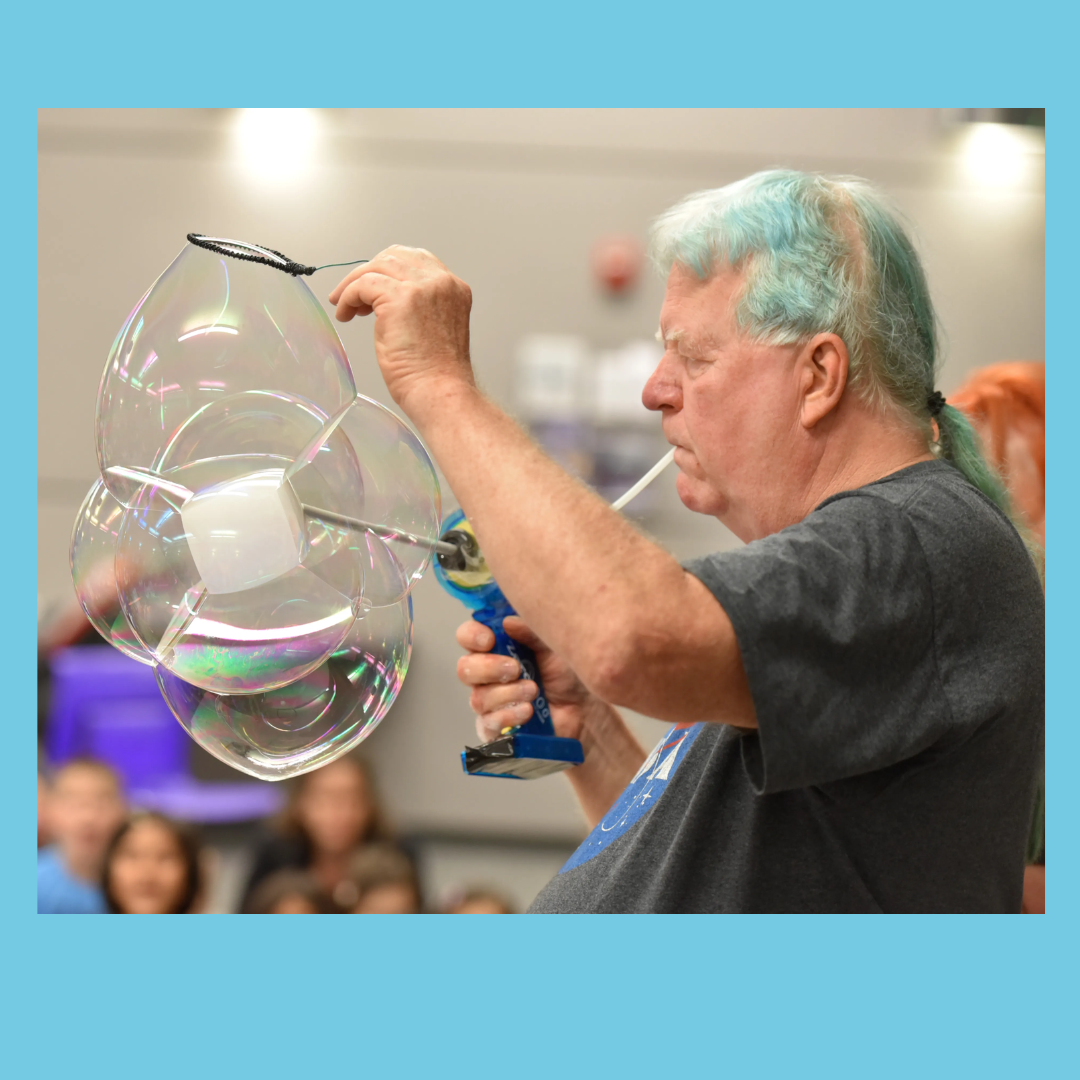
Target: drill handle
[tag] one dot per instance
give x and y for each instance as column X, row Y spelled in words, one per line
column 540, row 721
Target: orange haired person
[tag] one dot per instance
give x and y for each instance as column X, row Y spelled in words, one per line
column 1006, row 404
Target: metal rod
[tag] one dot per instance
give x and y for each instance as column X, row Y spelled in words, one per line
column 445, row 548
column 383, row 531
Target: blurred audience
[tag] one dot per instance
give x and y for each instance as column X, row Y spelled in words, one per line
column 480, row 902
column 152, row 867
column 291, row 892
column 331, row 812
column 84, row 806
column 382, row 880
column 44, row 829
column 1006, row 404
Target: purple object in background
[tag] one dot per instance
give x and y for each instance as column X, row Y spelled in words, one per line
column 134, row 737
column 107, row 706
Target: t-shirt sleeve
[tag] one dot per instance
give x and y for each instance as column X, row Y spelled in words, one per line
column 835, row 622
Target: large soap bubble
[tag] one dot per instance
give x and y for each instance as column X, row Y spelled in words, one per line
column 258, row 525
column 291, row 730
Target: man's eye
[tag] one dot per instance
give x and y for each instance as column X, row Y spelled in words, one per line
column 695, row 365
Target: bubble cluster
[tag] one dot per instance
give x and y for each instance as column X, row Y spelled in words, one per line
column 257, row 525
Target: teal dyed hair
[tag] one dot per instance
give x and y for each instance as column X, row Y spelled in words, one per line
column 826, row 254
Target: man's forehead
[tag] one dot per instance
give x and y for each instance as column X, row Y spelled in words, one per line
column 702, row 337
column 695, row 312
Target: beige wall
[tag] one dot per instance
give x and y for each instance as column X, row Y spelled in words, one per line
column 512, row 201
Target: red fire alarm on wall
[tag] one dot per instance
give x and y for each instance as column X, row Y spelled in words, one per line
column 616, row 263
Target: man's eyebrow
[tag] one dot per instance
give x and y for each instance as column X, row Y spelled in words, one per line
column 670, row 338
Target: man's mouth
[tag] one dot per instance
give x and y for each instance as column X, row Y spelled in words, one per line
column 686, row 462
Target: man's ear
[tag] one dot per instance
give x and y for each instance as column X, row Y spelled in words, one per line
column 823, row 363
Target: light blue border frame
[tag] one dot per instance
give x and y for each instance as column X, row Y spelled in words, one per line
column 579, row 996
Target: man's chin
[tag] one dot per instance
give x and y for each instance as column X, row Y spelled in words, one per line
column 697, row 496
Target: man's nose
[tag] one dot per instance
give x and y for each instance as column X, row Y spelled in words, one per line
column 663, row 389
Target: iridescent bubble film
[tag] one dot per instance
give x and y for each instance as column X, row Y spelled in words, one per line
column 373, row 468
column 284, row 732
column 212, row 327
column 258, row 526
column 92, row 560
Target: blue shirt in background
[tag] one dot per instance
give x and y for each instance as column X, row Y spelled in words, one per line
column 60, row 892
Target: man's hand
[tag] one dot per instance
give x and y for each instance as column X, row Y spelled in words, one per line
column 421, row 322
column 501, row 698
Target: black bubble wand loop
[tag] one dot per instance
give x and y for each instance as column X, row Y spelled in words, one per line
column 240, row 249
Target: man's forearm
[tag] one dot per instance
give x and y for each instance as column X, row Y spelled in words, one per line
column 625, row 615
column 572, row 568
column 612, row 757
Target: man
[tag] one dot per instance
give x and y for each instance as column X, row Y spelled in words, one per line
column 857, row 692
column 85, row 808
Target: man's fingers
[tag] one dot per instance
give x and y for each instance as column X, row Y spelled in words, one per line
column 378, row 265
column 363, row 293
column 475, row 636
column 344, row 312
column 394, row 262
column 348, row 279
column 480, row 669
column 500, row 697
column 405, row 260
column 491, row 725
column 489, row 698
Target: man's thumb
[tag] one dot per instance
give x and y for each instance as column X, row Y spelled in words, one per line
column 520, row 631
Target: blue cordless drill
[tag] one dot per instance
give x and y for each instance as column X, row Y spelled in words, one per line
column 533, row 749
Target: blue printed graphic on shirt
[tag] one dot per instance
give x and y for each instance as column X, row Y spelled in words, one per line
column 640, row 795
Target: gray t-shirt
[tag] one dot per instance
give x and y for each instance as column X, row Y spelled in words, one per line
column 893, row 643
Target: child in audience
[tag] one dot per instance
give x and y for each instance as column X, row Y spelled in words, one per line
column 480, row 902
column 331, row 812
column 383, row 881
column 84, row 807
column 290, row 892
column 152, row 868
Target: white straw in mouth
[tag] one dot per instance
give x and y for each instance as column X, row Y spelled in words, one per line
column 645, row 481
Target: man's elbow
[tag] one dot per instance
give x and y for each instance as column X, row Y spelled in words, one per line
column 695, row 675
column 617, row 667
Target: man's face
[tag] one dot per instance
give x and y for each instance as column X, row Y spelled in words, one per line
column 729, row 406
